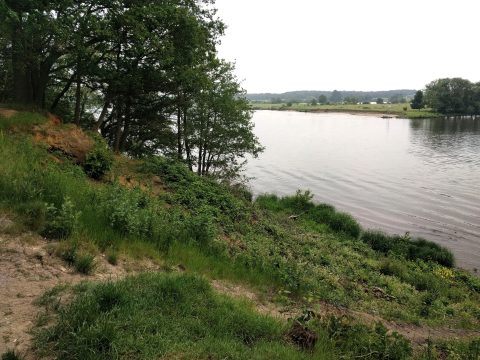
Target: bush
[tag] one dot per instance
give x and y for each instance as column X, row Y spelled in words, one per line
column 393, row 267
column 429, row 251
column 34, row 215
column 112, row 257
column 301, row 201
column 85, row 264
column 61, row 223
column 99, row 160
column 10, row 355
column 420, row 249
column 161, row 316
column 68, row 252
column 361, row 341
column 337, row 221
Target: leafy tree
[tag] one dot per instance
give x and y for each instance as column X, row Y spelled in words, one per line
column 452, row 96
column 379, row 101
column 351, row 100
column 336, row 96
column 417, row 102
column 322, row 99
column 143, row 73
column 313, row 102
column 398, row 99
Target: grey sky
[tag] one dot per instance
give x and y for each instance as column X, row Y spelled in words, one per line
column 281, row 45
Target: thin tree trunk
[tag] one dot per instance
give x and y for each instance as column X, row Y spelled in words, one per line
column 78, row 99
column 118, row 130
column 63, row 92
column 179, row 134
column 102, row 116
column 186, row 141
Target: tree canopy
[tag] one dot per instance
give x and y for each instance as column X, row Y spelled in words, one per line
column 144, row 73
column 453, row 96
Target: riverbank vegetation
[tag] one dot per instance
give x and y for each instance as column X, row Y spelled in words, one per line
column 303, row 256
column 401, row 110
column 144, row 74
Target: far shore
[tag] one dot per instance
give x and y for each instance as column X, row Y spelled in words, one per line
column 380, row 110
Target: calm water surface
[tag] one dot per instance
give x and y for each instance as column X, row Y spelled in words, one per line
column 397, row 175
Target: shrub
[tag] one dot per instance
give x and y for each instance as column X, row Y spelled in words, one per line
column 361, row 341
column 420, row 249
column 11, row 355
column 112, row 257
column 34, row 214
column 393, row 267
column 161, row 316
column 85, row 264
column 429, row 251
column 99, row 160
column 68, row 252
column 62, row 222
column 337, row 221
column 301, row 201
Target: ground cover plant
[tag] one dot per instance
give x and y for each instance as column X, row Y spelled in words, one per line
column 156, row 316
column 403, row 110
column 307, row 253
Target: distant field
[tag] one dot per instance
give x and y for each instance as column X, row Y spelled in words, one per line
column 403, row 110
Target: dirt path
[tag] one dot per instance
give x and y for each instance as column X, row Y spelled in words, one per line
column 27, row 270
column 418, row 335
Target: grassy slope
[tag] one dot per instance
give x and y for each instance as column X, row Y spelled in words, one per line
column 390, row 109
column 216, row 232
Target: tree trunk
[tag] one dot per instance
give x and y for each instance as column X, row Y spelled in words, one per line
column 78, row 99
column 19, row 68
column 179, row 134
column 63, row 92
column 102, row 116
column 187, row 142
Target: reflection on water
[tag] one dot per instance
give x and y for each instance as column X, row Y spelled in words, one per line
column 398, row 175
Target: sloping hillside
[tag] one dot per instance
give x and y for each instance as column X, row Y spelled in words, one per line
column 299, row 280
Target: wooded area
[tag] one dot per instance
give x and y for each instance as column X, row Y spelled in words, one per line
column 144, row 73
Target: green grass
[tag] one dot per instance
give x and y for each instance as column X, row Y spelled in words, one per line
column 403, row 110
column 285, row 245
column 22, row 120
column 160, row 316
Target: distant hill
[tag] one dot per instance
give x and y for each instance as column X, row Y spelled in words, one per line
column 306, row 96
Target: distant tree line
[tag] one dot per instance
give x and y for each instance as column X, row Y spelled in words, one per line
column 144, row 73
column 336, row 96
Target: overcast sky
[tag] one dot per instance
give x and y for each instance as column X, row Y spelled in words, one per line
column 285, row 45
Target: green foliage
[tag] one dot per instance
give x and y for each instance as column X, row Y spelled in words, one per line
column 112, row 257
column 453, row 96
column 160, row 316
column 452, row 350
column 393, row 267
column 61, row 222
column 410, row 249
column 417, row 102
column 302, row 206
column 34, row 214
column 85, row 264
column 203, row 225
column 10, row 355
column 69, row 253
column 198, row 194
column 360, row 341
column 21, row 120
column 99, row 160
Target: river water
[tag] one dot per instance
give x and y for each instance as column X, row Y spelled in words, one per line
column 396, row 175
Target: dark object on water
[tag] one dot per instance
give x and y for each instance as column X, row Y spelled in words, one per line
column 302, row 336
column 387, row 117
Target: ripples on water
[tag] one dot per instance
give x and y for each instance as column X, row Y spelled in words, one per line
column 398, row 175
